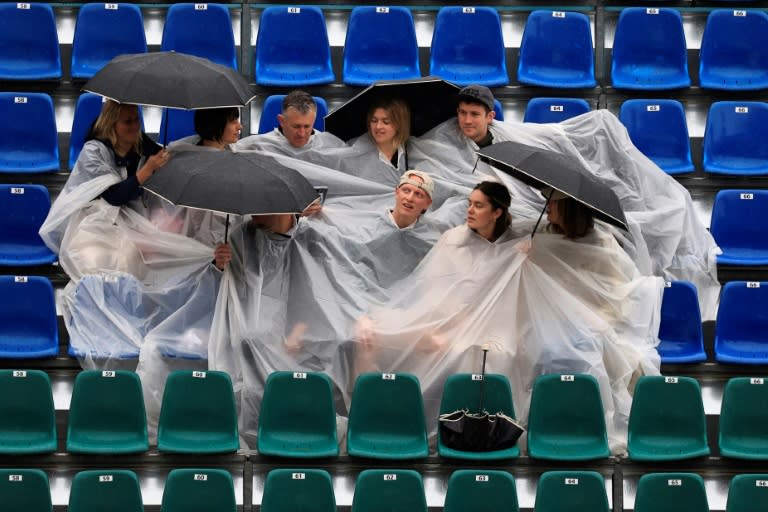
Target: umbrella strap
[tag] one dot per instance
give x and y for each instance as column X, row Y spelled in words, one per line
column 542, row 213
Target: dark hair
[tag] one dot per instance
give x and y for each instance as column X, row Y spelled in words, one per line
column 576, row 219
column 211, row 122
column 300, row 101
column 498, row 196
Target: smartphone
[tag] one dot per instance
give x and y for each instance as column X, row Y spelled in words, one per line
column 321, row 193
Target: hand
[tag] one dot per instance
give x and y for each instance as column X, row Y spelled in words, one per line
column 222, row 256
column 294, row 342
column 159, row 159
column 312, row 209
column 365, row 333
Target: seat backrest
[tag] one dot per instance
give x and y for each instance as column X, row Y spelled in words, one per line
column 273, row 106
column 25, row 208
column 104, row 31
column 176, row 124
column 28, row 137
column 571, row 491
column 28, row 419
column 732, row 214
column 116, row 490
column 384, row 490
column 462, row 391
column 29, row 43
column 736, row 129
column 743, row 311
column 203, row 30
column 28, row 324
column 25, row 490
column 744, row 408
column 308, row 490
column 87, row 109
column 381, row 35
column 680, row 313
column 481, row 490
column 198, row 490
column 671, row 492
column 554, row 110
column 748, row 493
column 657, row 127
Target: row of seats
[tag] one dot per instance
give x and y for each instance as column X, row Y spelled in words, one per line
column 118, row 490
column 292, row 47
column 107, row 414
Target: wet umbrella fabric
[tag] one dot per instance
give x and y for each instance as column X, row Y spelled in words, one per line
column 432, row 100
column 543, row 168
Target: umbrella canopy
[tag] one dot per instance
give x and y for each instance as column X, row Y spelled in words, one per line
column 170, row 79
column 543, row 168
column 237, row 183
column 432, row 100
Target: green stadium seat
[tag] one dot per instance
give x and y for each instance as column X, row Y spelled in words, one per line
column 27, row 415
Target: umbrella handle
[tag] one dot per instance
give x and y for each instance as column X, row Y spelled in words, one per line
column 482, row 381
column 226, row 229
column 549, row 197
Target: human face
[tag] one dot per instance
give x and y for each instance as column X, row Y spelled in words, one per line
column 231, row 131
column 128, row 126
column 481, row 215
column 382, row 128
column 474, row 120
column 297, row 127
column 554, row 215
column 410, row 201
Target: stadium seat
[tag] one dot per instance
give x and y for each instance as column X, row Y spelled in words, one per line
column 742, row 240
column 292, row 48
column 198, row 490
column 649, row 50
column 28, row 324
column 386, row 417
column 681, row 339
column 736, row 138
column 25, row 208
column 741, row 329
column 104, row 31
column 556, row 51
column 671, row 492
column 733, row 52
column 658, row 128
column 291, row 490
column 748, row 493
column 462, row 391
column 387, row 490
column 666, row 421
column 27, row 415
column 25, row 490
column 203, row 30
column 380, row 45
column 116, row 490
column 744, row 419
column 571, row 491
column 273, row 105
column 29, row 43
column 499, row 109
column 481, row 490
column 107, row 414
column 468, row 47
column 176, row 124
column 566, row 420
column 198, row 413
column 554, row 110
column 28, row 137
column 298, row 417
column 87, row 109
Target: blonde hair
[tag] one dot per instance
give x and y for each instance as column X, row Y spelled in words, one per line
column 399, row 114
column 104, row 127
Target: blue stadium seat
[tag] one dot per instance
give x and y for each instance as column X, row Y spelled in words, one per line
column 658, row 128
column 649, row 50
column 198, row 490
column 203, row 30
column 554, row 110
column 87, row 109
column 25, row 208
column 734, row 225
column 28, row 324
column 292, row 490
column 387, row 490
column 273, row 105
column 25, row 490
column 733, row 52
column 556, row 51
column 671, row 492
column 380, row 45
column 468, row 47
column 28, row 137
column 292, row 48
column 29, row 44
column 104, row 31
column 176, row 124
column 28, row 419
column 680, row 334
column 571, row 491
column 736, row 138
column 499, row 109
column 741, row 329
column 481, row 490
column 744, row 419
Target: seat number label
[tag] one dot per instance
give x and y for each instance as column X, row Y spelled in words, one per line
column 19, row 373
column 571, row 481
column 653, row 108
column 756, row 380
column 670, row 380
column 556, row 108
column 200, row 477
column 106, row 478
column 382, row 10
column 198, row 375
column 15, row 478
column 741, row 110
column 388, row 376
column 294, row 10
column 298, row 476
column 299, row 375
column 753, row 284
column 566, row 378
column 19, row 99
column 481, row 478
column 110, row 374
column 390, row 477
column 20, row 279
column 477, row 376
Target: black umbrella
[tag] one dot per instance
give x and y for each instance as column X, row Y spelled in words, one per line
column 233, row 183
column 432, row 100
column 542, row 168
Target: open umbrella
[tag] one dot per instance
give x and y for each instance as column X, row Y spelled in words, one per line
column 542, row 168
column 432, row 100
column 245, row 183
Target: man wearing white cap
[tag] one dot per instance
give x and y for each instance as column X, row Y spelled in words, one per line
column 413, row 196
